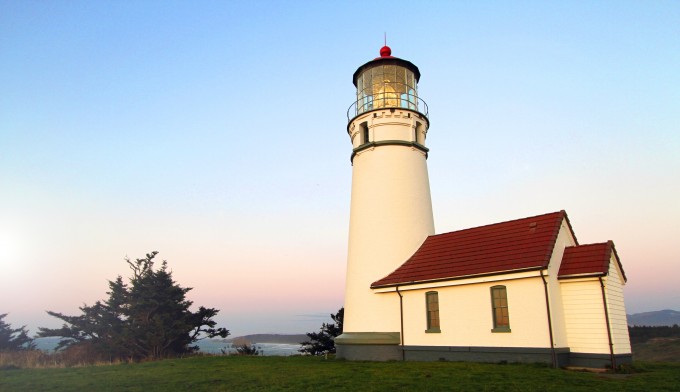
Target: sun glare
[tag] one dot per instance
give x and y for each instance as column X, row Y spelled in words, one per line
column 9, row 246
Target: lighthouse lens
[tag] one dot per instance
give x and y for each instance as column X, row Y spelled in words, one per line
column 386, row 86
column 386, row 82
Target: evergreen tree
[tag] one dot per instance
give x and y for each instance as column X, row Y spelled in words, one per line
column 14, row 339
column 148, row 318
column 247, row 349
column 322, row 342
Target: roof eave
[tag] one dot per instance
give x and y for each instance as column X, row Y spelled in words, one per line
column 580, row 276
column 414, row 282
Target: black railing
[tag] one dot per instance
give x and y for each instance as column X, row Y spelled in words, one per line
column 386, row 100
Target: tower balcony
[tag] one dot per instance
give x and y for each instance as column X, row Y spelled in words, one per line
column 385, row 101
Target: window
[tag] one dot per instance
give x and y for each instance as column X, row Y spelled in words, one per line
column 432, row 306
column 420, row 133
column 364, row 132
column 499, row 305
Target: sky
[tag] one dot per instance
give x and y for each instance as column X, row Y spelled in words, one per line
column 215, row 133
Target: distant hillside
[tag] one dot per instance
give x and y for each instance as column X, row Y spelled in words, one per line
column 655, row 319
column 271, row 338
column 660, row 343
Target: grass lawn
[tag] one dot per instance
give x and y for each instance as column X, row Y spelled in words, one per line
column 236, row 373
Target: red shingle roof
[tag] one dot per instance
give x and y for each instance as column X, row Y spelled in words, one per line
column 522, row 244
column 588, row 260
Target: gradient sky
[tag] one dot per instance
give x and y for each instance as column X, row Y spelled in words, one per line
column 215, row 133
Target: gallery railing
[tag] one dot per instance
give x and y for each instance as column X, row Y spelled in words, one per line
column 386, row 100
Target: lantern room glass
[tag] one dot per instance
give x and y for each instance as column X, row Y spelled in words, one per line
column 386, row 86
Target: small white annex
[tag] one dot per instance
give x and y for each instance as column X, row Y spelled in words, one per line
column 519, row 291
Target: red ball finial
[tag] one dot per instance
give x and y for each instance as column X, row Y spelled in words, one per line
column 385, row 51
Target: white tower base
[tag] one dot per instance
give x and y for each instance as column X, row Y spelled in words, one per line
column 390, row 217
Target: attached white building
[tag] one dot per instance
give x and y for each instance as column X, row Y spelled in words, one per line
column 522, row 290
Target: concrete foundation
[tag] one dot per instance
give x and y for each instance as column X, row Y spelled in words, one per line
column 363, row 350
column 487, row 354
column 369, row 346
column 598, row 360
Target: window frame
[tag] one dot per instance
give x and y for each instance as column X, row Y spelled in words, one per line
column 429, row 320
column 364, row 135
column 496, row 327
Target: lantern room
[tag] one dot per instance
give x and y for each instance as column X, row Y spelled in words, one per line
column 386, row 82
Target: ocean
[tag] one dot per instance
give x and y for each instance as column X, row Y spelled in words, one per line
column 213, row 346
column 208, row 346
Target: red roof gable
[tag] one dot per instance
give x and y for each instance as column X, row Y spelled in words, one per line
column 522, row 244
column 588, row 260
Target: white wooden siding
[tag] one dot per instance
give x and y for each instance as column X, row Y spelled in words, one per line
column 584, row 316
column 564, row 238
column 617, row 309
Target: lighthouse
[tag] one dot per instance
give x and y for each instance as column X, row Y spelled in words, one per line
column 391, row 207
column 522, row 290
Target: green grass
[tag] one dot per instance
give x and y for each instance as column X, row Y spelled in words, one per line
column 315, row 374
column 658, row 350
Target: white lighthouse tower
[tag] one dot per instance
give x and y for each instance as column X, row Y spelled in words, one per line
column 391, row 208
